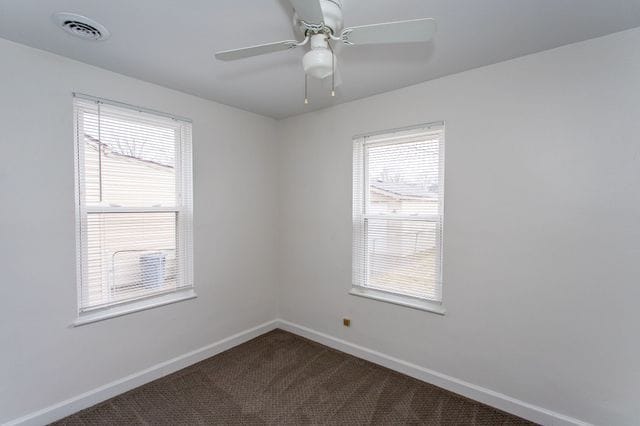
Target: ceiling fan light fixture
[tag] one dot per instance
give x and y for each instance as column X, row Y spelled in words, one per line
column 320, row 61
column 317, row 63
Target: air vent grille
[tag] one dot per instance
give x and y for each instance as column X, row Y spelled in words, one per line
column 81, row 26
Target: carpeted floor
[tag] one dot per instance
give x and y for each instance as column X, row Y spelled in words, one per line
column 280, row 378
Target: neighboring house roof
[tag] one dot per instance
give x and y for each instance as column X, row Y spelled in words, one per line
column 109, row 150
column 403, row 189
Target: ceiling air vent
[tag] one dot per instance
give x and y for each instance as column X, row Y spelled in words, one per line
column 81, row 26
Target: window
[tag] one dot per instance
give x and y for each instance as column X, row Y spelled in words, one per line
column 397, row 216
column 134, row 207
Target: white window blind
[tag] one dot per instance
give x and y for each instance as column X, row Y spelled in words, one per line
column 397, row 212
column 134, row 203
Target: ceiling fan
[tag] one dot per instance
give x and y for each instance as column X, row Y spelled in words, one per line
column 320, row 22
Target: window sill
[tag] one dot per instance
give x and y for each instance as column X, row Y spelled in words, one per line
column 397, row 299
column 137, row 306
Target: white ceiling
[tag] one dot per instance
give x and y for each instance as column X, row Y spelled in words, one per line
column 171, row 42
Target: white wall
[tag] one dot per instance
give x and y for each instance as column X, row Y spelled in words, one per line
column 542, row 228
column 42, row 359
column 542, row 237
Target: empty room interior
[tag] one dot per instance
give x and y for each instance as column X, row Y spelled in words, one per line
column 347, row 212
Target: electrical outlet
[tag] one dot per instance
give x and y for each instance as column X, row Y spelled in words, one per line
column 346, row 322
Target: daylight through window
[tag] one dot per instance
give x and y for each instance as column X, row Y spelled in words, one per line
column 134, row 203
column 397, row 212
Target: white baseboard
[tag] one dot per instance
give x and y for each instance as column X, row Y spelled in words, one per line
column 102, row 393
column 478, row 393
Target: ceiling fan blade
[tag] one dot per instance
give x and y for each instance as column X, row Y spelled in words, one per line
column 261, row 49
column 415, row 30
column 309, row 11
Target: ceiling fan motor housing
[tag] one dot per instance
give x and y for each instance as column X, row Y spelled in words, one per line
column 332, row 14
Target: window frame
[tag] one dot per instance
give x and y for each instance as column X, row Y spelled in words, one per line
column 183, row 210
column 361, row 217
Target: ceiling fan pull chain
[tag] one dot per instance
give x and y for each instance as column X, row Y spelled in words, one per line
column 306, row 99
column 333, row 70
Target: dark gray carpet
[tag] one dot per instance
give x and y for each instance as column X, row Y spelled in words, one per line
column 280, row 378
